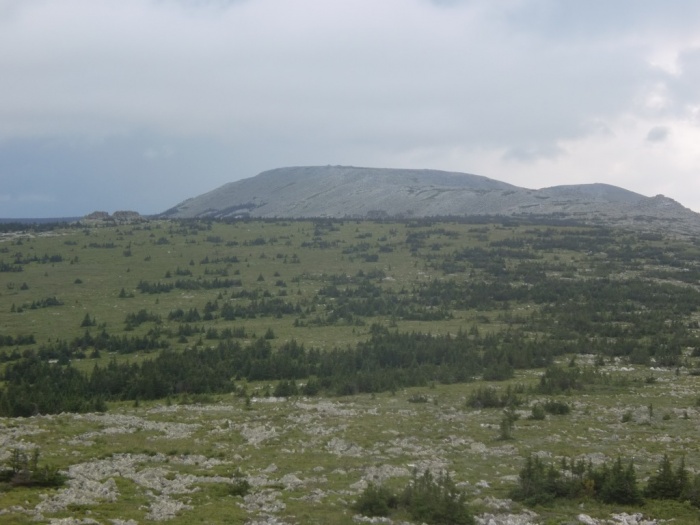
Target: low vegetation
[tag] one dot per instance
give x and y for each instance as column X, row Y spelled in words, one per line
column 310, row 371
column 425, row 499
column 23, row 470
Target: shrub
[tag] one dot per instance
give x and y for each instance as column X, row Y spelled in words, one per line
column 484, row 397
column 25, row 471
column 426, row 499
column 436, row 501
column 240, row 485
column 498, row 372
column 312, row 387
column 663, row 484
column 667, row 484
column 619, row 485
column 286, row 388
column 691, row 493
column 375, row 500
column 538, row 412
column 540, row 483
column 506, row 425
column 562, row 380
column 537, row 483
column 490, row 397
column 557, row 408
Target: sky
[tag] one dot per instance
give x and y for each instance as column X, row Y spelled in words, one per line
column 140, row 104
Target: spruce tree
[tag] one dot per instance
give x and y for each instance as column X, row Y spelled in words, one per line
column 620, row 485
column 664, row 484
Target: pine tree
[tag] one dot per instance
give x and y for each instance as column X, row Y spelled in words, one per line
column 665, row 483
column 620, row 485
column 682, row 478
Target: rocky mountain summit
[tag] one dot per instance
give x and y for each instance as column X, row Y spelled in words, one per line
column 352, row 192
column 123, row 216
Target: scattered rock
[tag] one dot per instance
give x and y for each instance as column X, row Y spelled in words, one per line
column 524, row 518
column 266, row 501
column 257, row 434
column 586, row 519
column 340, row 447
column 617, row 519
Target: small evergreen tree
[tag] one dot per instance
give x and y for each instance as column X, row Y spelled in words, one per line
column 620, row 485
column 538, row 412
column 436, row 501
column 375, row 500
column 664, row 484
column 286, row 388
column 506, row 425
column 537, row 483
column 692, row 491
column 682, row 478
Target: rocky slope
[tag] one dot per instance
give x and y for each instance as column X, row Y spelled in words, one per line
column 351, row 192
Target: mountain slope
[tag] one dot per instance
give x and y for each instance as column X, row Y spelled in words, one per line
column 345, row 191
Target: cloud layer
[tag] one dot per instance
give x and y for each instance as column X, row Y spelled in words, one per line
column 139, row 104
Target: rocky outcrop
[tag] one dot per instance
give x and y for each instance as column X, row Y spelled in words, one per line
column 121, row 217
column 350, row 192
column 97, row 216
column 126, row 216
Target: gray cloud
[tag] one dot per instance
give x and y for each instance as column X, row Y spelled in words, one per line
column 658, row 134
column 593, row 20
column 472, row 77
column 684, row 86
column 523, row 154
column 156, row 101
column 140, row 172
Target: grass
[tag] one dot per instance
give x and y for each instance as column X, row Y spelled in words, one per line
column 380, row 430
column 334, row 444
column 105, row 271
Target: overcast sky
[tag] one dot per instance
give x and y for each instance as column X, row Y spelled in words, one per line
column 140, row 104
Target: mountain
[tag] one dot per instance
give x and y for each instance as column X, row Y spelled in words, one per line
column 351, row 192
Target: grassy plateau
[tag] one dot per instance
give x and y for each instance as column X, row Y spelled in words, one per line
column 275, row 372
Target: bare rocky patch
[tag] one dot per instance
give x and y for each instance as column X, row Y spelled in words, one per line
column 315, row 453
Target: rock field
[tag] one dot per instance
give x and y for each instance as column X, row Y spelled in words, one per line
column 157, row 463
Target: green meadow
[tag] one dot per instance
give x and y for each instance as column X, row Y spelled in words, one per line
column 278, row 371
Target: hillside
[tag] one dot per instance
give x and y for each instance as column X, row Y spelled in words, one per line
column 272, row 372
column 344, row 191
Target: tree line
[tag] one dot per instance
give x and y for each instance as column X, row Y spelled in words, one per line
column 388, row 360
column 540, row 482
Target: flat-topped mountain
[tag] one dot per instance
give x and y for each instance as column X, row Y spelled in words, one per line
column 352, row 192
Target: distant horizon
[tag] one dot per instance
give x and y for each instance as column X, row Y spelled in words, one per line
column 29, row 220
column 73, row 218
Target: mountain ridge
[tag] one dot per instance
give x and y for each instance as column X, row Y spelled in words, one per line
column 356, row 192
